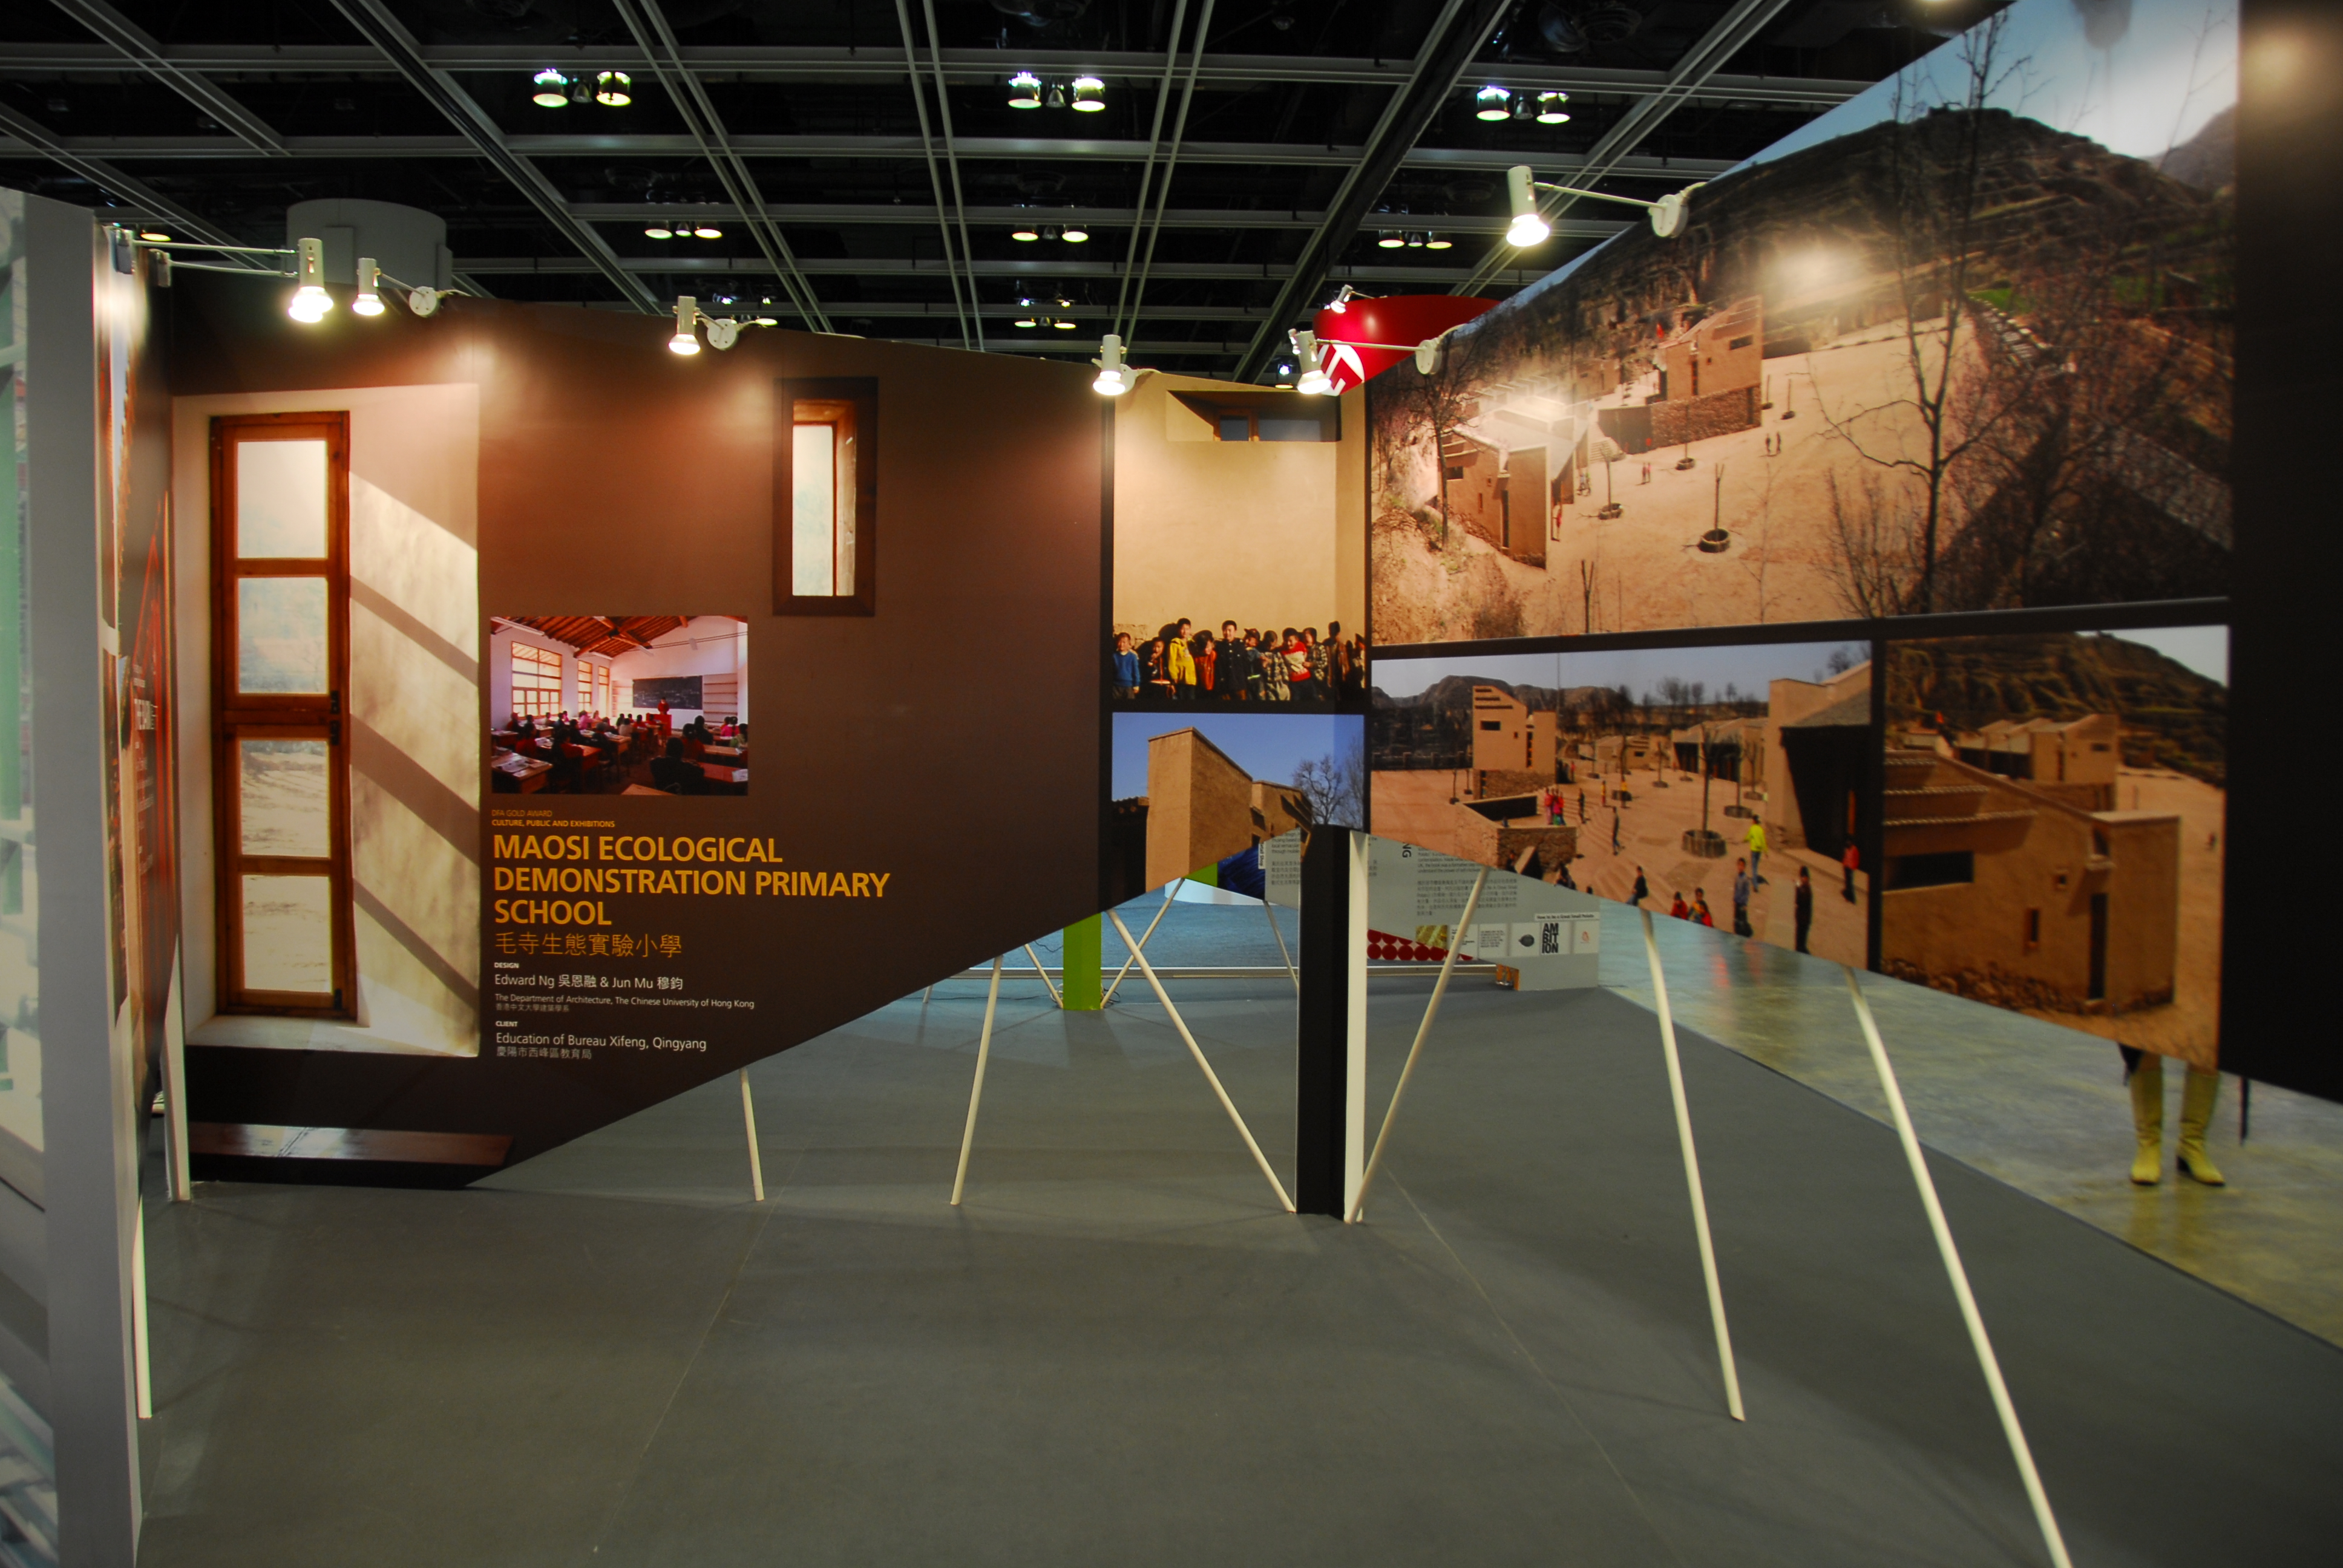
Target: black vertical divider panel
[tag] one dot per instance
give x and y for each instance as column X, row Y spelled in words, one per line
column 2277, row 1021
column 1318, row 1102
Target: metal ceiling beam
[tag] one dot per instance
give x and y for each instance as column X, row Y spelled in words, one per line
column 962, row 67
column 1241, row 155
column 384, row 31
column 135, row 43
column 962, row 297
column 1732, row 33
column 906, row 268
column 142, row 199
column 648, row 24
column 1458, row 35
column 850, row 214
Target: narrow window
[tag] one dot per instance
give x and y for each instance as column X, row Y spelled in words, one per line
column 825, row 544
column 2033, row 929
column 280, row 627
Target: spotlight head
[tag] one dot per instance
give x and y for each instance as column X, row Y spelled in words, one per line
column 1524, row 108
column 1414, row 240
column 552, row 90
column 1024, row 91
column 368, row 299
column 1074, row 233
column 1390, row 239
column 1029, row 321
column 1052, row 231
column 1063, row 326
column 1315, row 383
column 687, row 312
column 1494, row 103
column 1528, row 227
column 658, row 231
column 153, row 236
column 1550, row 110
column 1114, row 376
column 614, row 89
column 1437, row 242
column 708, row 231
column 423, row 301
column 310, row 300
column 1090, row 94
column 1027, row 232
column 722, row 333
column 768, row 321
column 1057, row 97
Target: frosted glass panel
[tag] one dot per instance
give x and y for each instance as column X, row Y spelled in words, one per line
column 282, row 796
column 813, row 510
column 287, row 942
column 280, row 499
column 280, row 634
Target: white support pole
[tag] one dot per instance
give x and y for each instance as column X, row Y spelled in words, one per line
column 1170, row 895
column 1950, row 1254
column 1138, row 952
column 976, row 1090
column 927, row 995
column 1692, row 1177
column 1283, row 951
column 174, row 1093
column 1038, row 969
column 142, row 1363
column 748, row 1119
column 1431, row 1011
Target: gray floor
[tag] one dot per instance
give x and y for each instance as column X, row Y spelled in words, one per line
column 1120, row 1352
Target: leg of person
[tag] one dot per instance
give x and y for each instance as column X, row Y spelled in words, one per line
column 2197, row 1097
column 1802, row 936
column 2147, row 1118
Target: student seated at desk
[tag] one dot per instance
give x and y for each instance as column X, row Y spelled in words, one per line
column 672, row 773
column 732, row 727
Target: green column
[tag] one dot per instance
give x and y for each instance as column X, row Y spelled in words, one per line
column 1079, row 982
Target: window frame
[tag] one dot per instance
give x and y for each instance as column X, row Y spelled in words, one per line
column 861, row 393
column 554, row 695
column 239, row 716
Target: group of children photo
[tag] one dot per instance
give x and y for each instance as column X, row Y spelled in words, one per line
column 1183, row 664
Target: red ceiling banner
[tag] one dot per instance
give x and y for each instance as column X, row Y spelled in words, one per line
column 1403, row 319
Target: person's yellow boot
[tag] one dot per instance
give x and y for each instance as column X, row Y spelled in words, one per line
column 2197, row 1097
column 2148, row 1119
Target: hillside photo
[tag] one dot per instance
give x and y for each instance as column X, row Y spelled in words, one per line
column 1958, row 345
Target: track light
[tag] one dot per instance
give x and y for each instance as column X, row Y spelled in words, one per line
column 1390, row 239
column 1025, row 231
column 1052, row 231
column 155, row 236
column 1057, row 96
column 613, row 89
column 1314, row 381
column 1114, row 378
column 1550, row 110
column 1528, row 228
column 552, row 90
column 708, row 231
column 1063, row 326
column 1496, row 104
column 1090, row 94
column 658, row 231
column 1074, row 233
column 1024, row 91
column 1523, row 109
column 687, row 311
column 1414, row 240
column 367, row 301
column 1437, row 242
column 310, row 300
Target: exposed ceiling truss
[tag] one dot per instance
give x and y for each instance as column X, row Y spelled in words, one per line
column 863, row 171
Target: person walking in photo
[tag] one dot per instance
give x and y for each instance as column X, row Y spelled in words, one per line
column 1643, row 889
column 1680, row 910
column 1741, row 891
column 1803, row 907
column 1228, row 656
column 1123, row 669
column 1755, row 840
column 1700, row 910
column 2144, row 1071
column 1614, row 829
column 1848, row 862
column 1581, row 805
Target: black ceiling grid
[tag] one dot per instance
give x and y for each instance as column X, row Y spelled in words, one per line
column 1314, row 128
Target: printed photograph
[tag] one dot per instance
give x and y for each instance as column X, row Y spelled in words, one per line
column 1190, row 792
column 1722, row 786
column 2053, row 828
column 1963, row 343
column 1228, row 585
column 618, row 705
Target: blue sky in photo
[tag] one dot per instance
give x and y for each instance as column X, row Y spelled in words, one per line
column 1265, row 745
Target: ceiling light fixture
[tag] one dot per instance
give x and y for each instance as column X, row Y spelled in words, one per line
column 367, row 300
column 1437, row 242
column 658, row 231
column 1063, row 326
column 1025, row 230
column 1390, row 239
column 1314, row 382
column 1114, row 378
column 613, row 89
column 1024, row 91
column 1495, row 104
column 310, row 300
column 153, row 236
column 1090, row 94
column 1414, row 240
column 1669, row 214
column 1057, row 96
column 1052, row 231
column 687, row 312
column 1075, row 234
column 708, row 231
column 1550, row 110
column 1528, row 227
column 552, row 90
column 1523, row 108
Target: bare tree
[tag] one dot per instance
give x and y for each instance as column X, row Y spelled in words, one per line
column 1872, row 547
column 1335, row 786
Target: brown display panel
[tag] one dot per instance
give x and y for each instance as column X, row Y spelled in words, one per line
column 261, row 717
